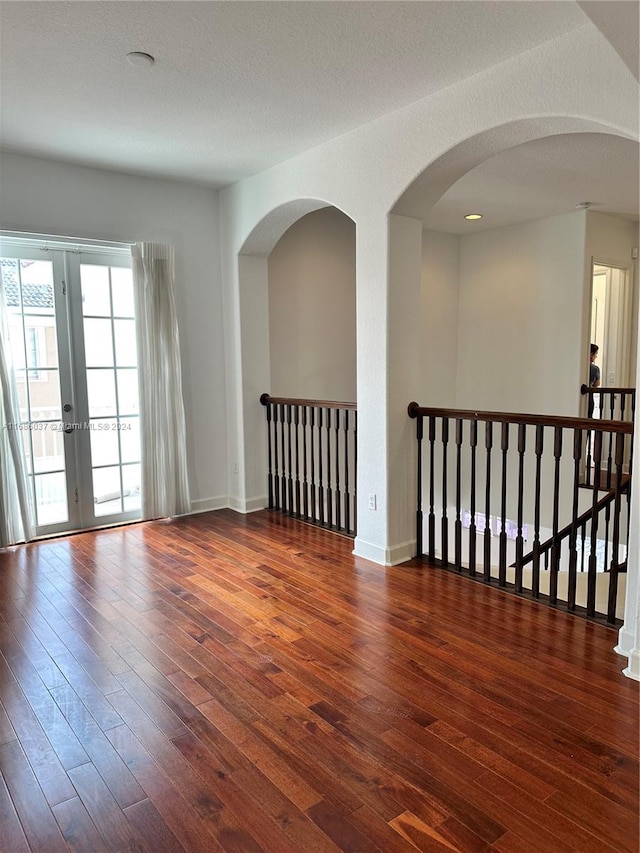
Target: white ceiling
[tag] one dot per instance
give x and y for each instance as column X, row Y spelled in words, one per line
column 542, row 178
column 240, row 86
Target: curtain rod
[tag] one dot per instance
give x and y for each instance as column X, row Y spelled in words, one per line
column 84, row 242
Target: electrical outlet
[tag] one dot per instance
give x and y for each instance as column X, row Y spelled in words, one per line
column 236, row 468
column 373, row 502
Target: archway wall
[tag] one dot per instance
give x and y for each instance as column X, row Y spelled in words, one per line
column 575, row 83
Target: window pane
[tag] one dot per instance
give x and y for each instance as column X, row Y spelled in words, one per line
column 44, row 395
column 37, row 287
column 23, row 403
column 16, row 338
column 122, row 289
column 106, row 491
column 104, row 443
column 131, row 487
column 26, row 443
column 41, row 342
column 51, row 498
column 101, row 390
column 125, row 334
column 98, row 343
column 128, row 392
column 95, row 290
column 130, row 439
column 48, row 447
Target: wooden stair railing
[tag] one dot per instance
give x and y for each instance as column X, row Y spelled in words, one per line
column 487, row 482
column 611, row 403
column 312, row 460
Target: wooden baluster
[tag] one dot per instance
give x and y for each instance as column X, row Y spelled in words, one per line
column 615, row 556
column 458, row 522
column 337, row 490
column 432, row 517
column 329, row 486
column 584, row 539
column 305, row 484
column 444, row 545
column 573, row 538
column 609, row 476
column 522, row 446
column 283, row 479
column 539, row 449
column 355, row 469
column 473, row 442
column 555, row 548
column 296, row 424
column 587, row 466
column 347, row 501
column 289, row 461
column 502, row 562
column 312, row 423
column 623, row 404
column 320, row 469
column 270, row 458
column 593, row 555
column 488, row 443
column 419, row 517
column 276, row 461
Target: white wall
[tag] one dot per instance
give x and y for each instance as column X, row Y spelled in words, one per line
column 521, row 317
column 439, row 318
column 312, row 309
column 57, row 198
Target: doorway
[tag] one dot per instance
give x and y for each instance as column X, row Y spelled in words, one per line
column 611, row 324
column 73, row 346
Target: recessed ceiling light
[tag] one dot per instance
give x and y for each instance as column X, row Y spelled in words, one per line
column 473, row 216
column 142, row 60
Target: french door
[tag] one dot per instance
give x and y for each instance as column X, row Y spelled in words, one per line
column 73, row 345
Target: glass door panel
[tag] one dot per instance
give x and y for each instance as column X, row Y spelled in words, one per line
column 30, row 294
column 112, row 388
column 73, row 345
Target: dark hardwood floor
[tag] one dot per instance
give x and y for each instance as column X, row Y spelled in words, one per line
column 243, row 683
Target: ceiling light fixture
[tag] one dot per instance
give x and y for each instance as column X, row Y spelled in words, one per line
column 142, row 60
column 473, row 216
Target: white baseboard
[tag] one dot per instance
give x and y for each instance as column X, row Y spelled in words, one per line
column 208, row 504
column 385, row 556
column 633, row 670
column 626, row 642
column 247, row 506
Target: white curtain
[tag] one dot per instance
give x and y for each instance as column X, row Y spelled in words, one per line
column 165, row 487
column 16, row 502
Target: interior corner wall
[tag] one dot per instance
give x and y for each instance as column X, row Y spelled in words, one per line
column 312, row 308
column 610, row 240
column 439, row 305
column 48, row 197
column 520, row 336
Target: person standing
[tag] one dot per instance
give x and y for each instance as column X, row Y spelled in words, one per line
column 594, row 376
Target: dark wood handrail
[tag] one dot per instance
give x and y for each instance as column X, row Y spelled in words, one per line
column 265, row 399
column 561, row 535
column 415, row 411
column 605, row 389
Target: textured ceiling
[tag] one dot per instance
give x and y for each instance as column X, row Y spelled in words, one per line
column 237, row 86
column 541, row 178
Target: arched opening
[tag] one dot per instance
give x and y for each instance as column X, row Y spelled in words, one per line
column 296, row 285
column 506, row 322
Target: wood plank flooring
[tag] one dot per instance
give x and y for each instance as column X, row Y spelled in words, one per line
column 243, row 684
